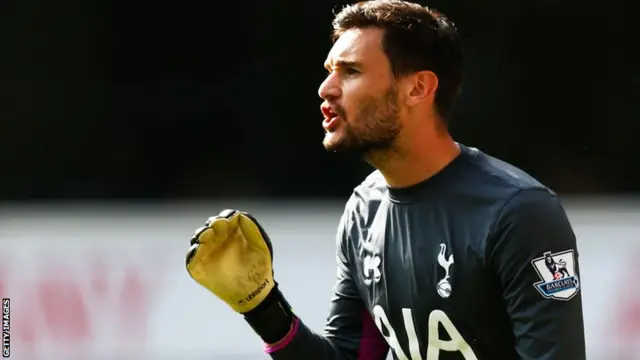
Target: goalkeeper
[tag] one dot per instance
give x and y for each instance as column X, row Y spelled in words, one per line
column 443, row 252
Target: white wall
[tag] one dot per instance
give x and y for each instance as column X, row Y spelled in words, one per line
column 108, row 282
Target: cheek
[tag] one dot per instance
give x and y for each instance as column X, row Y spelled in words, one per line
column 357, row 93
column 351, row 103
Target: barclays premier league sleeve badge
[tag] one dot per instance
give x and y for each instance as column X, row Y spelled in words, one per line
column 557, row 272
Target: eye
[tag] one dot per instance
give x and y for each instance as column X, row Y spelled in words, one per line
column 350, row 71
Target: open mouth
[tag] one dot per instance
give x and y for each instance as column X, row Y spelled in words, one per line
column 331, row 118
column 328, row 111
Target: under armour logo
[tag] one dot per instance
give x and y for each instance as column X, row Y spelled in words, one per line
column 444, row 287
column 372, row 264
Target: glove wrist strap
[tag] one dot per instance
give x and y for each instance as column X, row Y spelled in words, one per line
column 272, row 319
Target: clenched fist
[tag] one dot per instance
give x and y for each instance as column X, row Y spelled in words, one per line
column 232, row 257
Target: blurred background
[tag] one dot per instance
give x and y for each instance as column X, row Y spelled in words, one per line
column 121, row 125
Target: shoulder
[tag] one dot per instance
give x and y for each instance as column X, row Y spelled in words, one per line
column 501, row 173
column 367, row 195
column 520, row 200
column 372, row 187
column 523, row 193
column 364, row 201
column 530, row 203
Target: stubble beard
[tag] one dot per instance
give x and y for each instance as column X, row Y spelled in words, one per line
column 374, row 133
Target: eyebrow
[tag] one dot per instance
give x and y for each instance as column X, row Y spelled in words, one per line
column 343, row 63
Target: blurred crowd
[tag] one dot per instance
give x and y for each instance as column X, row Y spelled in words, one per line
column 163, row 101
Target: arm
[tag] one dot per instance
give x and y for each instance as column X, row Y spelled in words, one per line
column 349, row 334
column 546, row 315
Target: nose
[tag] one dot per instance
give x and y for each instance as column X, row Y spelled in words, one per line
column 330, row 88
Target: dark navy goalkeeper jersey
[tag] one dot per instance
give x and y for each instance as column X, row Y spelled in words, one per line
column 477, row 262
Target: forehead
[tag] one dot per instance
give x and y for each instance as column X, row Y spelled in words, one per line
column 358, row 45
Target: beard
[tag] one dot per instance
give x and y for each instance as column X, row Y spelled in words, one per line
column 374, row 129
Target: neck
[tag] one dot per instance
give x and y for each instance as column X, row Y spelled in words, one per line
column 422, row 154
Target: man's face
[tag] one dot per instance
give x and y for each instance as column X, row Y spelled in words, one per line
column 361, row 105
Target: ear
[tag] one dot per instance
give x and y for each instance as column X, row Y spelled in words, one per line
column 421, row 86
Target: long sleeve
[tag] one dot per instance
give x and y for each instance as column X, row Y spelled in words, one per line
column 535, row 258
column 349, row 333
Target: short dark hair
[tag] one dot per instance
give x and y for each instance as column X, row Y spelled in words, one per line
column 415, row 38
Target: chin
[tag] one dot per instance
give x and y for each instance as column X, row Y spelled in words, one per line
column 339, row 144
column 332, row 141
column 329, row 142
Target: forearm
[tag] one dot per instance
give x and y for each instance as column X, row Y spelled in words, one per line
column 302, row 342
column 349, row 334
column 286, row 336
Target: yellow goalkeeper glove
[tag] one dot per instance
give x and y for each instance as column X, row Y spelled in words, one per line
column 232, row 257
